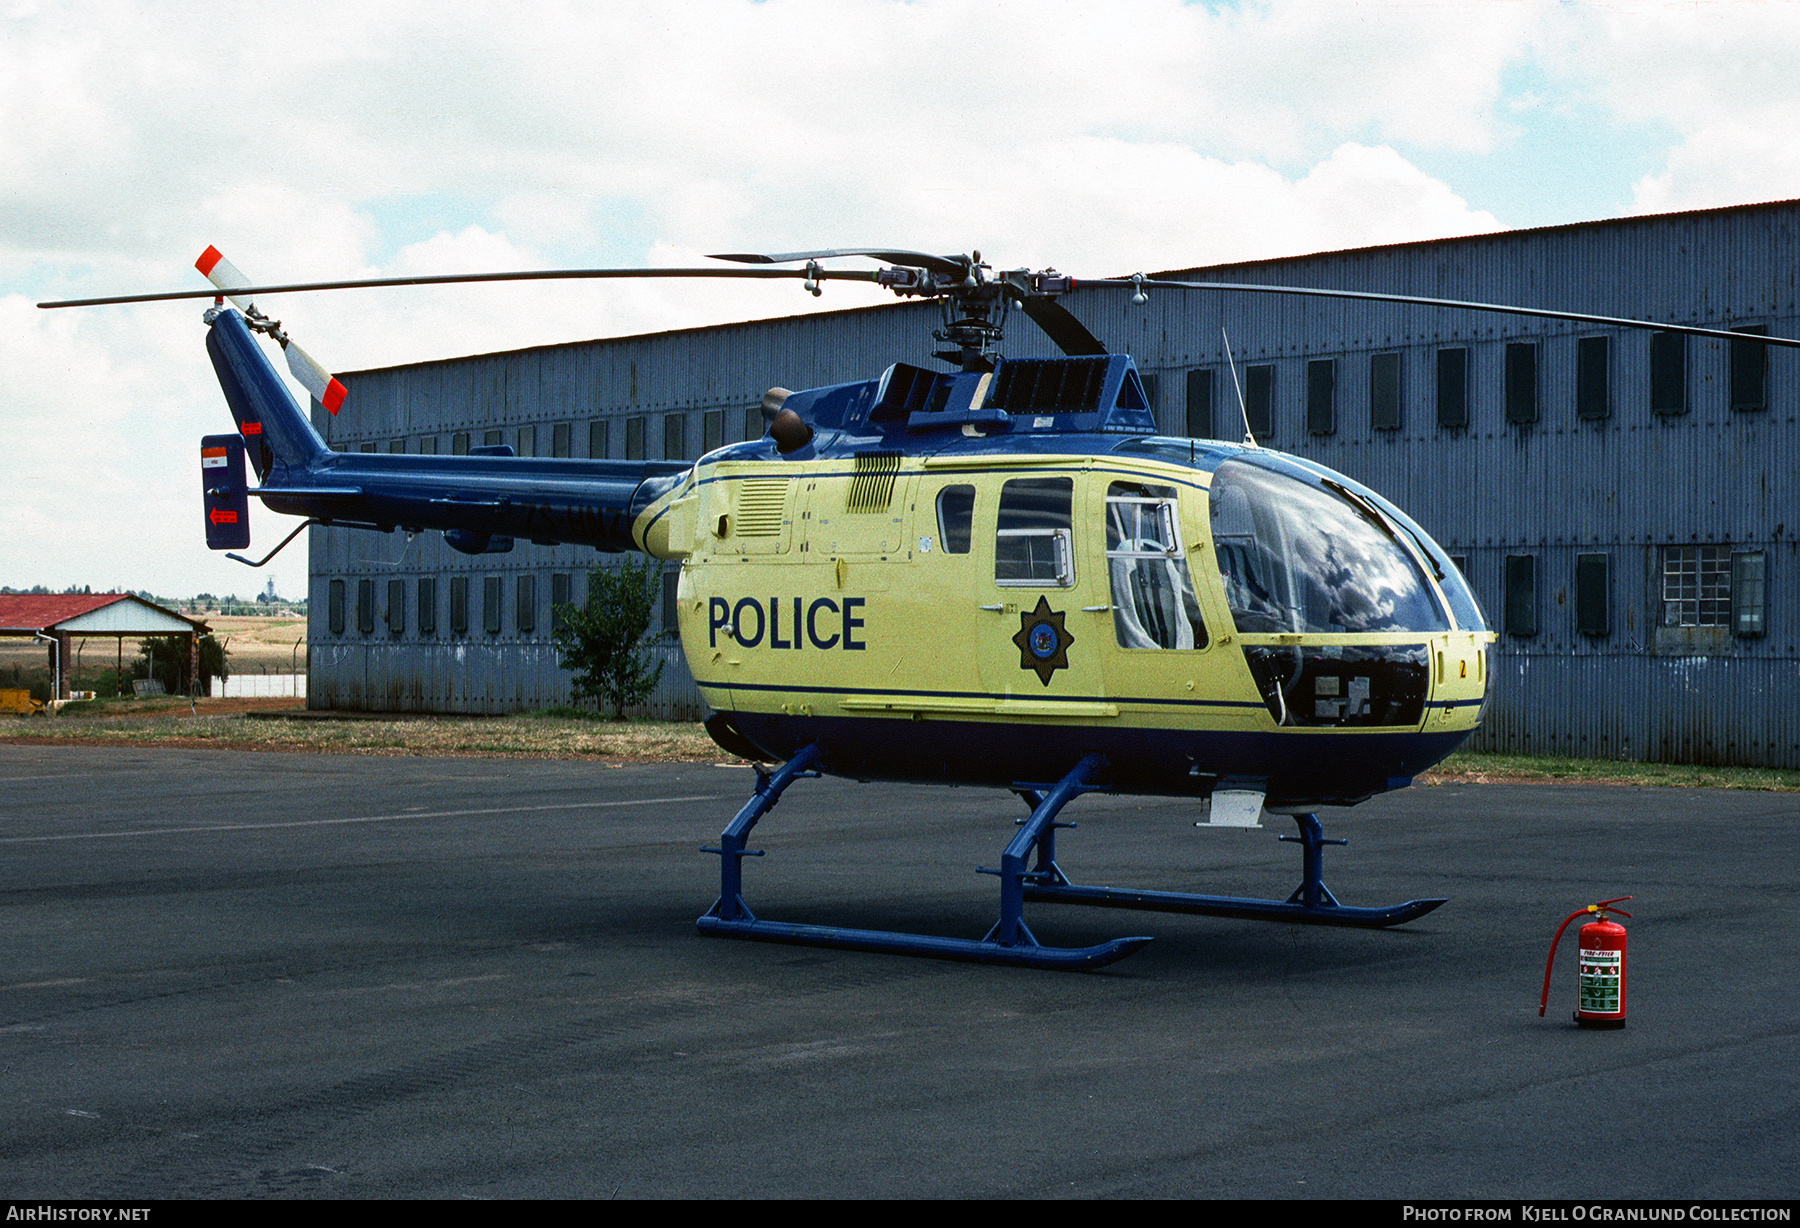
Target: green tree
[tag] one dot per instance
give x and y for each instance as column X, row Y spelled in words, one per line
column 164, row 658
column 602, row 641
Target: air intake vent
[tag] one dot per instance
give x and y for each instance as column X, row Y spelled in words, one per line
column 1023, row 385
column 872, row 486
column 760, row 504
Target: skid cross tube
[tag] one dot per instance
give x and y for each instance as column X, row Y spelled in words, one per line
column 1009, row 942
column 1311, row 903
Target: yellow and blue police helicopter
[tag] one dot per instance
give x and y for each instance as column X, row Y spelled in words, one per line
column 998, row 574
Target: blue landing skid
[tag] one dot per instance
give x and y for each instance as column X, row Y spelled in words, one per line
column 1009, row 942
column 1311, row 904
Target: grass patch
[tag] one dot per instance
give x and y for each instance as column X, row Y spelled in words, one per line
column 1481, row 767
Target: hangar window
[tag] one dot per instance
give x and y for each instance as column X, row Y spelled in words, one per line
column 675, row 437
column 956, row 517
column 634, row 438
column 490, row 604
column 559, row 598
column 397, row 447
column 1747, row 592
column 369, row 447
column 560, row 443
column 599, row 439
column 1668, row 374
column 335, row 604
column 1696, row 586
column 1152, row 594
column 1259, row 400
column 527, row 441
column 525, row 605
column 459, row 605
column 396, row 607
column 459, row 444
column 1033, row 542
column 1453, row 387
column 492, row 439
column 427, row 605
column 1521, row 594
column 712, row 430
column 1593, row 613
column 1321, row 396
column 1151, row 385
column 428, row 445
column 1384, row 392
column 754, row 427
column 365, row 606
column 671, row 602
column 1199, row 420
column 1521, row 381
column 1593, row 367
column 1750, row 370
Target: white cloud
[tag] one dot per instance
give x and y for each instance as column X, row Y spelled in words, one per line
column 339, row 139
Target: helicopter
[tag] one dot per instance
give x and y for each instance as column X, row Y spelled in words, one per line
column 998, row 575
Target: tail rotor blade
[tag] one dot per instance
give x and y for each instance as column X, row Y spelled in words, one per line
column 315, row 378
column 225, row 275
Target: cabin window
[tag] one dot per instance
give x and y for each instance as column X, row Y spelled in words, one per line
column 1199, row 423
column 1593, row 364
column 1453, row 387
column 427, row 605
column 1034, row 541
column 1384, row 392
column 1750, row 370
column 956, row 518
column 459, row 605
column 1307, row 555
column 1668, row 374
column 1593, row 615
column 1152, row 594
column 1521, row 382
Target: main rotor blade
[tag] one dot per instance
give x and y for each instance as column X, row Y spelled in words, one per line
column 1370, row 296
column 1060, row 325
column 368, row 283
column 954, row 265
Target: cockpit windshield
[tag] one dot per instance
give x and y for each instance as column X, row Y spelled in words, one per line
column 1296, row 556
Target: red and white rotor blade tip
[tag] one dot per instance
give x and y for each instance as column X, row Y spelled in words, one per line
column 316, row 379
column 223, row 274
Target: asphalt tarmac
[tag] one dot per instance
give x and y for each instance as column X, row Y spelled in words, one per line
column 296, row 976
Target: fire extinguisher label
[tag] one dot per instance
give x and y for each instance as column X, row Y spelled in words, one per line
column 1599, row 985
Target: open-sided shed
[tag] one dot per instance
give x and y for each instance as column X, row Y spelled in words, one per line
column 56, row 619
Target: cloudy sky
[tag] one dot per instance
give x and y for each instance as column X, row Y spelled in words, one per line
column 383, row 138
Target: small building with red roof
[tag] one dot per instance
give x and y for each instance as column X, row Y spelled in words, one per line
column 57, row 619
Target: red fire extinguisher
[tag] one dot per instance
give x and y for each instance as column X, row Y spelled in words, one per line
column 1600, row 994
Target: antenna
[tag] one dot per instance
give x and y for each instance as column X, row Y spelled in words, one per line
column 1242, row 408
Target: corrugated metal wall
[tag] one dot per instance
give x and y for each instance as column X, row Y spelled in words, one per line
column 1626, row 486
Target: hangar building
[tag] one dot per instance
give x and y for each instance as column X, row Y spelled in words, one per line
column 1618, row 498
